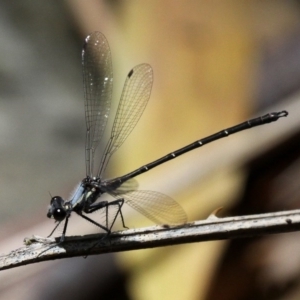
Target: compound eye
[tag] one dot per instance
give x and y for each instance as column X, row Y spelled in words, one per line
column 59, row 214
column 56, row 201
column 56, row 209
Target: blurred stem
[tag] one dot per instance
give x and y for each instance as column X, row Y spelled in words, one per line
column 39, row 249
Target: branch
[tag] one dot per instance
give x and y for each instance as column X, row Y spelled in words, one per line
column 42, row 249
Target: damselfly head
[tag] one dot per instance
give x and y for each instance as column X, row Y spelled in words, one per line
column 57, row 210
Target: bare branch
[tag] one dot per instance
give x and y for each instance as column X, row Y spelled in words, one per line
column 42, row 249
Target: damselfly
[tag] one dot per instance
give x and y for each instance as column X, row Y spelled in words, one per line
column 98, row 83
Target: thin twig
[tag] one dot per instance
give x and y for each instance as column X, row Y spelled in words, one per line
column 39, row 249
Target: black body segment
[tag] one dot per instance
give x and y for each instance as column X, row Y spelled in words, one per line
column 268, row 118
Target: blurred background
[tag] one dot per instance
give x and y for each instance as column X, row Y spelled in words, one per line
column 215, row 64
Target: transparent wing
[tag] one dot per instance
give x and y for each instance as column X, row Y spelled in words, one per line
column 135, row 96
column 97, row 84
column 157, row 207
column 128, row 186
